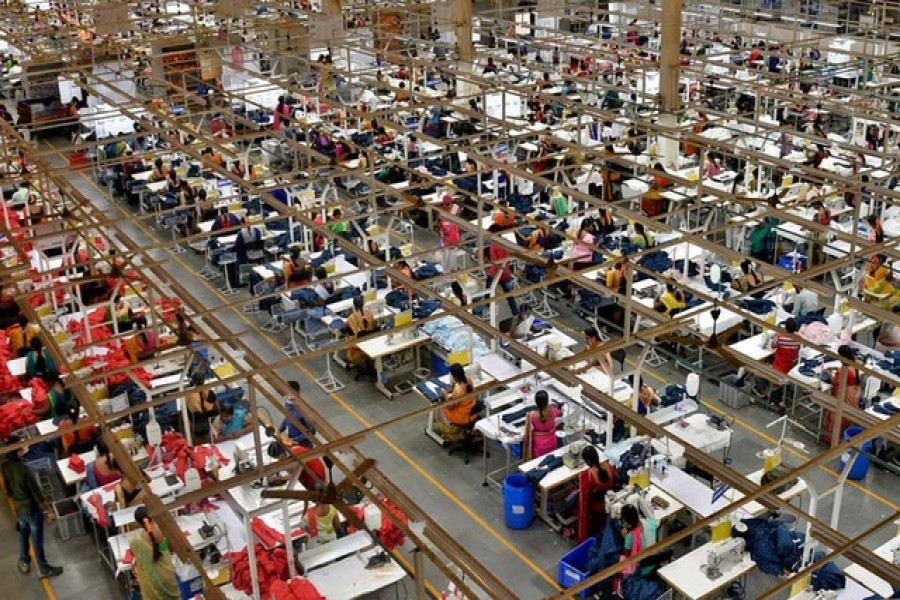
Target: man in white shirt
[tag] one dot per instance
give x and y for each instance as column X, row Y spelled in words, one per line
column 805, row 301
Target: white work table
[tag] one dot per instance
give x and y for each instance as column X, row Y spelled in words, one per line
column 621, row 390
column 754, row 508
column 693, row 493
column 674, row 412
column 687, row 578
column 870, row 580
column 495, row 428
column 539, row 342
column 158, row 485
column 696, row 431
column 754, row 347
column 378, row 347
column 555, row 478
column 318, row 556
column 223, row 518
column 852, row 591
column 349, row 578
column 498, row 367
column 70, row 477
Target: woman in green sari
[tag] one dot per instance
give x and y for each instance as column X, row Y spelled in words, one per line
column 153, row 565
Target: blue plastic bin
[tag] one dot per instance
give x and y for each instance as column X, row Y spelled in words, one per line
column 516, row 450
column 860, row 462
column 787, row 261
column 518, row 501
column 191, row 588
column 573, row 566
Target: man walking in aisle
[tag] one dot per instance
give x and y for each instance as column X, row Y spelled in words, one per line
column 22, row 487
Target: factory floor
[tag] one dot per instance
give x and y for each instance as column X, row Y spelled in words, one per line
column 446, row 488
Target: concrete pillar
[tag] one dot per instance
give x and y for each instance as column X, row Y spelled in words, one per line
column 669, row 73
column 462, row 15
column 462, row 27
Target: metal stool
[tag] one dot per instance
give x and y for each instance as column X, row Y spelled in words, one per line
column 175, row 224
column 226, row 259
column 260, row 289
column 209, row 271
column 328, row 381
column 276, row 323
column 290, row 319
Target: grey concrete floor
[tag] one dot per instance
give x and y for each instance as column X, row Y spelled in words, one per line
column 449, row 490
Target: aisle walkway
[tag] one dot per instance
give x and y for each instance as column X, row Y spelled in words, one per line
column 84, row 575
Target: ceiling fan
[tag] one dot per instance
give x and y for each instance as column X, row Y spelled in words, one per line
column 330, row 494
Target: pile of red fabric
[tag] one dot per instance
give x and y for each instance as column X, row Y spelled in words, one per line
column 388, row 534
column 168, row 307
column 175, row 450
column 269, row 535
column 298, row 588
column 116, row 358
column 99, row 331
column 38, row 299
column 76, row 463
column 39, row 389
column 102, row 516
column 14, row 416
column 271, row 565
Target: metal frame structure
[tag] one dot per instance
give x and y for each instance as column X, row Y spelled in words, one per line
column 661, row 118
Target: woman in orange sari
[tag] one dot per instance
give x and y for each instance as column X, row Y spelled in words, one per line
column 360, row 322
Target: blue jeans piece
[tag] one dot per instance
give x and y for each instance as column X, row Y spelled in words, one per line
column 32, row 525
column 507, row 286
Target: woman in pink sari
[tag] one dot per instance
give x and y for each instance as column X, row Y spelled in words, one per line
column 540, row 427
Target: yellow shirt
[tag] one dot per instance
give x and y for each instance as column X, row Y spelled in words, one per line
column 671, row 302
column 613, row 280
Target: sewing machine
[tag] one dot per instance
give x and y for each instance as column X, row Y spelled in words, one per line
column 616, row 501
column 572, row 457
column 657, row 464
column 722, row 556
column 242, row 462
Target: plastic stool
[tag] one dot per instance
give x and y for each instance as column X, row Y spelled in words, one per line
column 225, row 260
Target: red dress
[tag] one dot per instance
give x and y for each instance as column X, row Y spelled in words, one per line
column 592, row 501
column 105, row 479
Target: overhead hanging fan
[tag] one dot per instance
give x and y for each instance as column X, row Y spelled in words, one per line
column 330, row 494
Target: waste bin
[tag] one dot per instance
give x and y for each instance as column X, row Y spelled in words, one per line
column 574, row 568
column 860, row 465
column 518, row 501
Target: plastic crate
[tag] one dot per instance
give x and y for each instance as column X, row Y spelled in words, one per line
column 191, row 588
column 731, row 395
column 573, row 566
column 69, row 521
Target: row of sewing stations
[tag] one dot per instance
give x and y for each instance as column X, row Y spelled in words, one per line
column 676, row 490
column 493, row 427
column 487, row 370
column 218, row 527
column 672, row 493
